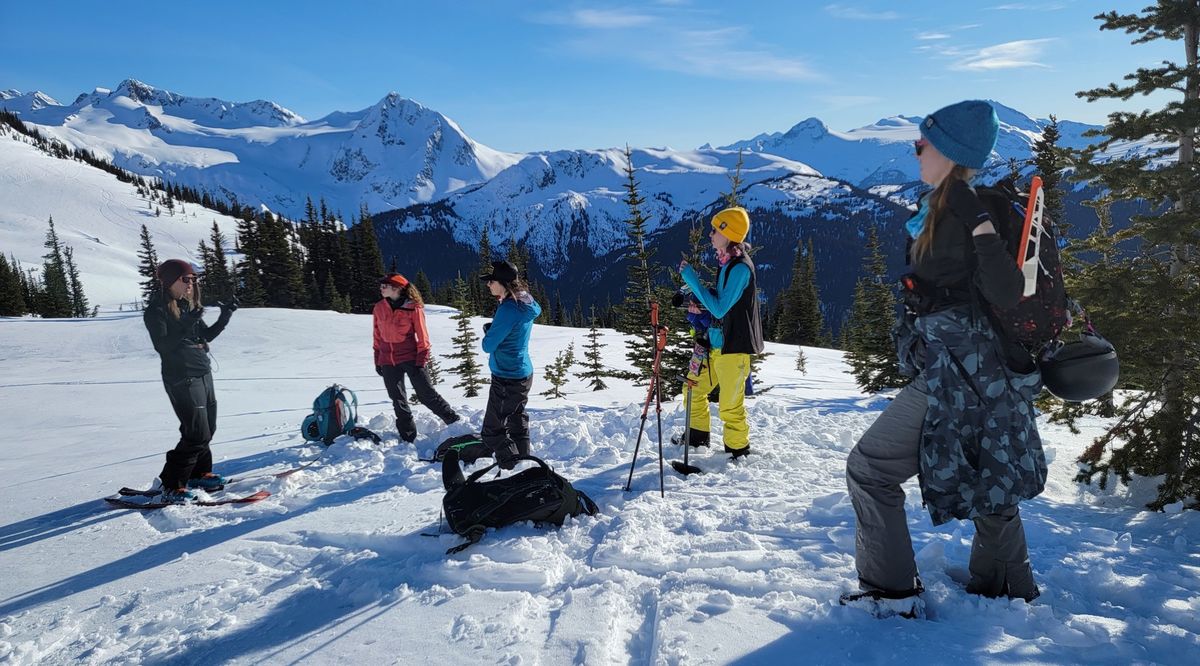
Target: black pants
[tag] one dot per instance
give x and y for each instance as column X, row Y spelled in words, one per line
column 505, row 423
column 195, row 404
column 393, row 379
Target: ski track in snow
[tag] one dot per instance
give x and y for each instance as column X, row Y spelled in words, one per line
column 346, row 563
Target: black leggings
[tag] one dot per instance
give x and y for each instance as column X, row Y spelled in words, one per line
column 195, row 404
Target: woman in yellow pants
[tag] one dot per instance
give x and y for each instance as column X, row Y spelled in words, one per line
column 734, row 302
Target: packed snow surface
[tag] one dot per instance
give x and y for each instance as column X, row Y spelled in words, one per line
column 346, row 563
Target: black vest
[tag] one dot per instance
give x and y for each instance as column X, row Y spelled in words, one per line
column 741, row 326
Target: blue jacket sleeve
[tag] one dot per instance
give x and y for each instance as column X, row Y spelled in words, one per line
column 502, row 323
column 719, row 305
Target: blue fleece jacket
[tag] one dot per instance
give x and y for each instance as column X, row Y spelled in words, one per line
column 728, row 292
column 507, row 339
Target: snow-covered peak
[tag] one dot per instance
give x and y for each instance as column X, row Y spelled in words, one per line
column 203, row 111
column 809, row 128
column 1015, row 119
column 18, row 102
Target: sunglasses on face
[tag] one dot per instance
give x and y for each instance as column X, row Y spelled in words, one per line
column 188, row 279
column 919, row 145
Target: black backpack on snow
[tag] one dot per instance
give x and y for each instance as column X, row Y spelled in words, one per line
column 470, row 448
column 535, row 493
column 1039, row 318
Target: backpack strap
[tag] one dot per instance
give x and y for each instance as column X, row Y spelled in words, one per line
column 479, row 473
column 473, row 535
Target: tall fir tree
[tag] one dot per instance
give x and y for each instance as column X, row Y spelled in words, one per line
column 217, row 280
column 870, row 350
column 279, row 270
column 251, row 291
column 147, row 265
column 79, row 301
column 481, row 297
column 1157, row 429
column 421, row 282
column 634, row 311
column 368, row 263
column 466, row 366
column 799, row 320
column 55, row 293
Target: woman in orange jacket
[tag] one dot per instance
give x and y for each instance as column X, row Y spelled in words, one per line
column 402, row 349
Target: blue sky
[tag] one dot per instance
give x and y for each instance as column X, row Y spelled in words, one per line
column 540, row 75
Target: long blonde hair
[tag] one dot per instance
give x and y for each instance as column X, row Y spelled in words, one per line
column 923, row 243
column 192, row 297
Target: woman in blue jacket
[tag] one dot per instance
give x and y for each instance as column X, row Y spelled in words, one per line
column 506, row 340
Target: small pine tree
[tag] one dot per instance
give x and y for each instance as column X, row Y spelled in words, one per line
column 733, row 196
column 801, row 361
column 434, row 370
column 557, row 372
column 871, row 352
column 593, row 364
column 467, row 367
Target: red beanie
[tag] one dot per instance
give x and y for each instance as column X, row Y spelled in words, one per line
column 172, row 269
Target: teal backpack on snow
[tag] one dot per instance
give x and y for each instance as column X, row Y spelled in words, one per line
column 335, row 412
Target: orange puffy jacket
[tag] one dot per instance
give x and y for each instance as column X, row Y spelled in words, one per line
column 400, row 334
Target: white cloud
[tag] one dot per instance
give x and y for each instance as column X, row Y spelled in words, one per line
column 667, row 42
column 932, row 35
column 608, row 18
column 1009, row 55
column 856, row 14
column 1026, row 7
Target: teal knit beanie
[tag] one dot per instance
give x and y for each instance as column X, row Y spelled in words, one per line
column 964, row 132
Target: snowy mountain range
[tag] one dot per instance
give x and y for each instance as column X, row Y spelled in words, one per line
column 433, row 189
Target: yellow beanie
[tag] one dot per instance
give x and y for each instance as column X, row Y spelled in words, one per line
column 733, row 223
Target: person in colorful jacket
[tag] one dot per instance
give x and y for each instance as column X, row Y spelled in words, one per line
column 174, row 319
column 965, row 424
column 506, row 340
column 737, row 335
column 402, row 349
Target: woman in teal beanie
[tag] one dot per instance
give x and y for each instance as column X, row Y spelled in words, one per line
column 965, row 424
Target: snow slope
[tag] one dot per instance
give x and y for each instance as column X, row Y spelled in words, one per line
column 94, row 213
column 738, row 565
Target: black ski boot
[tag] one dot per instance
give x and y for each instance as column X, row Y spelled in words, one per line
column 734, row 454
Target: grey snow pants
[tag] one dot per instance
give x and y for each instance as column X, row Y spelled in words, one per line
column 884, row 458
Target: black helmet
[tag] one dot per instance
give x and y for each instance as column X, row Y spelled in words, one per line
column 1082, row 370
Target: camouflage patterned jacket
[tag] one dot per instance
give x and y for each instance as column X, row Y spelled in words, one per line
column 980, row 451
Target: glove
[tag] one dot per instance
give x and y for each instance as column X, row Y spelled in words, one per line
column 961, row 201
column 229, row 307
column 379, row 370
column 192, row 316
column 486, row 326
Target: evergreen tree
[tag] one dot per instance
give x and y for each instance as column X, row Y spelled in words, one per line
column 218, row 283
column 79, row 301
column 421, row 282
column 812, row 321
column 557, row 372
column 1050, row 161
column 55, row 293
column 249, row 280
column 870, row 351
column 593, row 364
column 282, row 280
column 801, row 361
column 434, row 370
column 800, row 321
column 147, row 266
column 1157, row 432
column 467, row 367
column 12, row 292
column 633, row 316
column 481, row 297
column 368, row 262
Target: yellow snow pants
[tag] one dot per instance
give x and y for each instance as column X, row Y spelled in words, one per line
column 729, row 371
